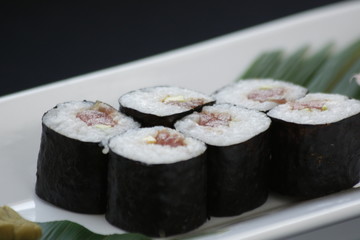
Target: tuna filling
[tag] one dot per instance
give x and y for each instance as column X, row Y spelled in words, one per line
column 309, row 105
column 265, row 94
column 98, row 114
column 165, row 138
column 183, row 102
column 214, row 119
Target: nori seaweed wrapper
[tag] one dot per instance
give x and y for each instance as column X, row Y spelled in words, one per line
column 237, row 177
column 157, row 199
column 150, row 120
column 71, row 174
column 310, row 161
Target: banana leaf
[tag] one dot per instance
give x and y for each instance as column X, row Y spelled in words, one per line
column 323, row 71
column 288, row 68
column 263, row 66
column 67, row 230
column 311, row 66
column 335, row 68
column 347, row 85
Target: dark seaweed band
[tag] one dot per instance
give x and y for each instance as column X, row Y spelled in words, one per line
column 71, row 174
column 314, row 160
column 237, row 179
column 157, row 200
column 150, row 120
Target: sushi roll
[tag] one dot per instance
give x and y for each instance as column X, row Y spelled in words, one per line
column 259, row 94
column 315, row 146
column 162, row 105
column 72, row 166
column 237, row 155
column 157, row 182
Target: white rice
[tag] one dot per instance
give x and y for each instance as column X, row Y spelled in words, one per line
column 151, row 100
column 63, row 120
column 244, row 125
column 134, row 145
column 336, row 108
column 237, row 93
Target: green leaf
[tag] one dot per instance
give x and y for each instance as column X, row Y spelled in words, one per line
column 311, row 66
column 334, row 69
column 291, row 65
column 263, row 66
column 297, row 67
column 67, row 230
column 319, row 72
column 347, row 85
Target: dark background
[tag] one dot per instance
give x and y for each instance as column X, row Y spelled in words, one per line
column 44, row 41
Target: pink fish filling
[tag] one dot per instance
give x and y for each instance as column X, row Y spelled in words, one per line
column 214, row 119
column 191, row 103
column 314, row 104
column 99, row 114
column 268, row 95
column 164, row 137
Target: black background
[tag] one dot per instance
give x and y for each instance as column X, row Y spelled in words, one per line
column 46, row 41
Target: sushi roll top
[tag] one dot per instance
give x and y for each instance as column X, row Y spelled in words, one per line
column 317, row 108
column 87, row 121
column 162, row 105
column 224, row 124
column 156, row 145
column 259, row 94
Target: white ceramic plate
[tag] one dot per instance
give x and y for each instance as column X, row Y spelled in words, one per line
column 205, row 67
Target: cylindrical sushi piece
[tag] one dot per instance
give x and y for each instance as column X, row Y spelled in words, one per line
column 315, row 145
column 157, row 182
column 237, row 155
column 162, row 105
column 72, row 165
column 259, row 94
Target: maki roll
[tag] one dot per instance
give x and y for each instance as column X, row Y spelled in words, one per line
column 72, row 166
column 237, row 154
column 157, row 182
column 315, row 146
column 259, row 94
column 162, row 105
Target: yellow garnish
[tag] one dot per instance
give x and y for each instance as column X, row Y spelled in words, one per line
column 13, row 226
column 324, row 108
column 102, row 126
column 97, row 105
column 178, row 98
column 149, row 139
column 265, row 87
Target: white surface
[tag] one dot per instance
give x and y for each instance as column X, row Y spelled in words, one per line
column 204, row 67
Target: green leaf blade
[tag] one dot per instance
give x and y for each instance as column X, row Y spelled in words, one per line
column 263, row 66
column 291, row 65
column 334, row 69
column 312, row 65
column 347, row 85
column 67, row 230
